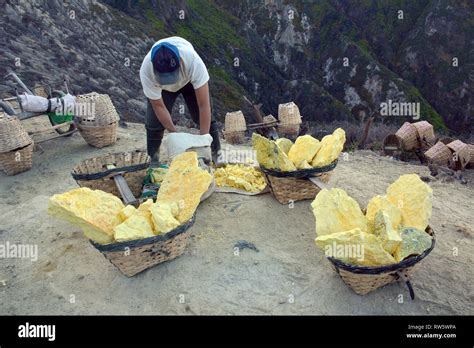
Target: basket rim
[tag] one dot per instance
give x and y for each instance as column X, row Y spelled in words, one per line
column 120, row 246
column 410, row 261
column 98, row 175
column 302, row 173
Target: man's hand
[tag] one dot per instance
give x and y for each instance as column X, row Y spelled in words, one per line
column 163, row 115
column 204, row 104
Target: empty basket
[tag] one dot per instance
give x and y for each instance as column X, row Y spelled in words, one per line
column 97, row 119
column 439, row 154
column 461, row 153
column 135, row 256
column 408, row 136
column 16, row 146
column 290, row 119
column 235, row 127
column 426, row 134
column 94, row 174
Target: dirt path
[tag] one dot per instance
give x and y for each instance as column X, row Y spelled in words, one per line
column 288, row 275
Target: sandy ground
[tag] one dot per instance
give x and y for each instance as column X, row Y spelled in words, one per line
column 288, row 275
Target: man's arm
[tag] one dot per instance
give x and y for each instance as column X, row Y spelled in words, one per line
column 204, row 104
column 163, row 114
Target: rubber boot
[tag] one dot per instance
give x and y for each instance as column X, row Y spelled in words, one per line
column 153, row 143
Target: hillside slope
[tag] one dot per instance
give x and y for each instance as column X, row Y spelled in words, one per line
column 336, row 59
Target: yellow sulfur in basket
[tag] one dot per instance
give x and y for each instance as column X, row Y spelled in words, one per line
column 270, row 155
column 95, row 211
column 137, row 226
column 413, row 197
column 335, row 211
column 303, row 151
column 378, row 203
column 331, row 147
column 164, row 217
column 389, row 237
column 184, row 184
column 284, row 144
column 355, row 247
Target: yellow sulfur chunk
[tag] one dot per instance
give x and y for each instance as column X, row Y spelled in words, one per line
column 284, row 144
column 145, row 206
column 269, row 154
column 335, row 211
column 95, row 211
column 378, row 203
column 304, row 165
column 413, row 197
column 389, row 237
column 304, row 150
column 128, row 211
column 414, row 242
column 355, row 247
column 163, row 215
column 184, row 184
column 137, row 226
column 240, row 176
column 331, row 147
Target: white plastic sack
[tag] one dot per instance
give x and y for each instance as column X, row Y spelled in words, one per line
column 33, row 103
column 177, row 143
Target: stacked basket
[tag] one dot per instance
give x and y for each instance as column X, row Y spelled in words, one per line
column 97, row 119
column 235, row 127
column 425, row 133
column 16, row 147
column 290, row 119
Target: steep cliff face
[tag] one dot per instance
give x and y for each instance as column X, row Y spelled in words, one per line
column 336, row 59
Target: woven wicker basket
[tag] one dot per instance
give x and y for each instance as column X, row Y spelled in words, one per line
column 391, row 144
column 363, row 280
column 235, row 122
column 95, row 110
column 234, row 137
column 439, row 154
column 289, row 189
column 12, row 134
column 17, row 161
column 408, row 136
column 461, row 153
column 426, row 134
column 289, row 130
column 289, row 114
column 97, row 119
column 134, row 257
column 99, row 136
column 16, row 147
column 93, row 172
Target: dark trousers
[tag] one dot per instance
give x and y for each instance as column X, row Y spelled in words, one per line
column 155, row 130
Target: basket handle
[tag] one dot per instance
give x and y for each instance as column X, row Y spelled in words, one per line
column 404, row 276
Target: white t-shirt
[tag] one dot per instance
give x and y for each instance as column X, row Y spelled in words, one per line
column 192, row 69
